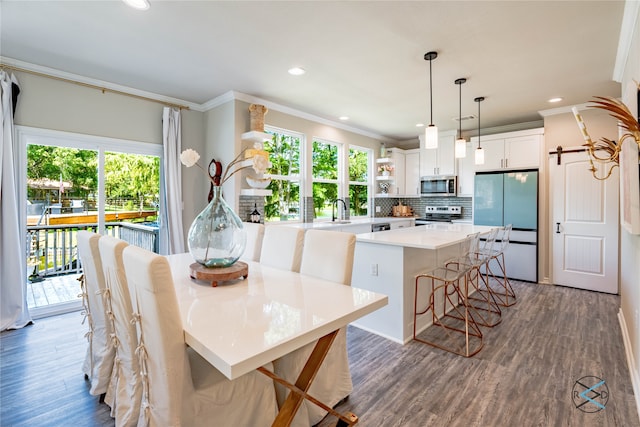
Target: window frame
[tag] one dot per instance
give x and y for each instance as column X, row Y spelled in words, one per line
column 369, row 183
column 299, row 177
column 339, row 180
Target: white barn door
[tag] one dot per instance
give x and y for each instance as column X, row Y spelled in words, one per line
column 585, row 221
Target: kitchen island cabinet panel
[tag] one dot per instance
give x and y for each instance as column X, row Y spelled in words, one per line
column 388, row 261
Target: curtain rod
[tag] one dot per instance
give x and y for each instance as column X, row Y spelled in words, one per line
column 100, row 88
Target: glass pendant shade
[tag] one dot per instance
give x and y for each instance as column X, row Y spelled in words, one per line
column 479, row 159
column 431, row 137
column 460, row 148
column 431, row 131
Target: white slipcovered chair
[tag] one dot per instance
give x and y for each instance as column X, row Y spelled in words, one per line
column 180, row 388
column 100, row 353
column 125, row 388
column 255, row 234
column 282, row 247
column 327, row 255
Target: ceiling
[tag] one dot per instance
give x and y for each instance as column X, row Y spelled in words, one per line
column 363, row 59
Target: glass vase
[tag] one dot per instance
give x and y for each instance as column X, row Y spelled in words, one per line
column 216, row 237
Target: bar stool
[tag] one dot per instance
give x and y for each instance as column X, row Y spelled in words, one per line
column 480, row 297
column 454, row 327
column 500, row 286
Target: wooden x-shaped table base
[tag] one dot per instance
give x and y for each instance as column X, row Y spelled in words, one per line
column 300, row 388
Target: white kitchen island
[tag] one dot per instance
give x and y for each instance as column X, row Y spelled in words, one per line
column 388, row 261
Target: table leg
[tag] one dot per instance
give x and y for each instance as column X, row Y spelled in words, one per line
column 299, row 389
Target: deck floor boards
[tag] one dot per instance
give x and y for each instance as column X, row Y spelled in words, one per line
column 53, row 290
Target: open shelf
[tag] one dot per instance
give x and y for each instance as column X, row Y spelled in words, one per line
column 255, row 192
column 256, row 136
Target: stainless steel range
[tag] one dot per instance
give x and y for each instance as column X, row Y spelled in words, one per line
column 440, row 214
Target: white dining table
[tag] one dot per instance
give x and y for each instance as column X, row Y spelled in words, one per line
column 241, row 325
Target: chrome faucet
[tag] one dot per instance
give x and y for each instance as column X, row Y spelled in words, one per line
column 344, row 210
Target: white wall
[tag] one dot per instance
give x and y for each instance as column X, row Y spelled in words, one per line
column 629, row 243
column 220, row 144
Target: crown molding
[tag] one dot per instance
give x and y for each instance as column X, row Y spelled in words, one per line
column 219, row 100
column 95, row 82
column 250, row 99
column 629, row 22
column 562, row 110
column 567, row 109
column 213, row 103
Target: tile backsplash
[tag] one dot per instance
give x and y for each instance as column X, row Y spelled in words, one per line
column 418, row 204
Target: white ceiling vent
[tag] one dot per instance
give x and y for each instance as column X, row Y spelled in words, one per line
column 464, row 118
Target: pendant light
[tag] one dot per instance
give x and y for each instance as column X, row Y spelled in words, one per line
column 461, row 144
column 431, row 131
column 479, row 159
column 138, row 4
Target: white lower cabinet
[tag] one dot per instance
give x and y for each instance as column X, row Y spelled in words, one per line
column 402, row 223
column 356, row 229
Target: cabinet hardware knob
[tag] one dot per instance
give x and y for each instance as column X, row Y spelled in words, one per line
column 557, row 228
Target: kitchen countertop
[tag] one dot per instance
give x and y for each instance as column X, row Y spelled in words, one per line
column 430, row 236
column 357, row 221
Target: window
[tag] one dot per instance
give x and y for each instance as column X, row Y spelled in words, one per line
column 359, row 161
column 325, row 175
column 284, row 153
column 335, row 172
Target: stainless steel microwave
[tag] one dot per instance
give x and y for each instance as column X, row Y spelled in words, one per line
column 438, row 186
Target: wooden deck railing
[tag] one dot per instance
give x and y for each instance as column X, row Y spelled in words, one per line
column 52, row 249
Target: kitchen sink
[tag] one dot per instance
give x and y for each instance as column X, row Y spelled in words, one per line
column 341, row 221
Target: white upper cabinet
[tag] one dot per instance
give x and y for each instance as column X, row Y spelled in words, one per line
column 512, row 150
column 439, row 161
column 412, row 173
column 466, row 173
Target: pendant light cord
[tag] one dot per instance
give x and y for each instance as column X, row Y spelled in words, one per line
column 430, row 56
column 479, row 123
column 430, row 94
column 479, row 100
column 460, row 111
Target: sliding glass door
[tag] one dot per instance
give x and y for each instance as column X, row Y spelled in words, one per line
column 77, row 182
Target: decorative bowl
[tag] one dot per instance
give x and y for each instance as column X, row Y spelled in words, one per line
column 258, row 182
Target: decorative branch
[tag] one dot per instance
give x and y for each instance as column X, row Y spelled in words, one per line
column 611, row 149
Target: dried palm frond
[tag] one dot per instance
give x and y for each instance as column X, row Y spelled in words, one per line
column 620, row 112
column 608, row 151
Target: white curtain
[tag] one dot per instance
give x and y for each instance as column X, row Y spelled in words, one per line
column 14, row 312
column 171, row 220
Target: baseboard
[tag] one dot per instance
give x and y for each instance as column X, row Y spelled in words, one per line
column 635, row 375
column 390, row 338
column 55, row 309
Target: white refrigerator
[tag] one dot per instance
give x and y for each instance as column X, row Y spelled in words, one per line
column 511, row 197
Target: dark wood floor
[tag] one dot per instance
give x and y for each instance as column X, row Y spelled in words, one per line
column 523, row 376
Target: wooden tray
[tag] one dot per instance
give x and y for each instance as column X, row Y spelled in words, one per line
column 215, row 275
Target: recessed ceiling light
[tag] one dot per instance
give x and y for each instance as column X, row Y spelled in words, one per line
column 138, row 4
column 557, row 99
column 344, row 118
column 296, row 71
column 419, row 125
